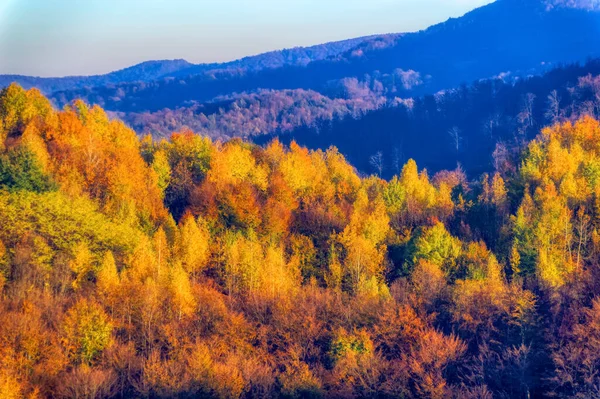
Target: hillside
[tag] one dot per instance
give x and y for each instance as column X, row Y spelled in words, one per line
column 506, row 37
column 160, row 70
column 375, row 94
column 146, row 71
column 469, row 125
column 191, row 268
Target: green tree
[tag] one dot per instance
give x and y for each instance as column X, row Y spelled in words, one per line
column 435, row 245
column 20, row 170
column 86, row 331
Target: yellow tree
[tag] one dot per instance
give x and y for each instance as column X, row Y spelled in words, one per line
column 81, row 265
column 192, row 244
column 278, row 277
column 243, row 259
column 107, row 279
column 86, row 331
column 162, row 250
column 363, row 240
column 181, row 292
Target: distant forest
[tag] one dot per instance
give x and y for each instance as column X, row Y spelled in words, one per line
column 378, row 131
column 472, row 126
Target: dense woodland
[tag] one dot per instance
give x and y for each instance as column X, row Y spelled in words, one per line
column 366, row 118
column 267, row 112
column 196, row 268
column 465, row 126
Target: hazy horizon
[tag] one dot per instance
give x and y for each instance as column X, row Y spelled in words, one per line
column 62, row 38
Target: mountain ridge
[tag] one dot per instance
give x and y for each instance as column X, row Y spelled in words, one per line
column 159, row 69
column 507, row 36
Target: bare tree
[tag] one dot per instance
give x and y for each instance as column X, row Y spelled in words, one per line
column 553, row 112
column 526, row 114
column 397, row 159
column 456, row 137
column 376, row 162
column 491, row 124
column 502, row 160
column 582, row 232
column 525, row 117
column 592, row 83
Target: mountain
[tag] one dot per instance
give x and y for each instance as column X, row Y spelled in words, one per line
column 144, row 72
column 518, row 37
column 373, row 94
column 466, row 125
column 154, row 70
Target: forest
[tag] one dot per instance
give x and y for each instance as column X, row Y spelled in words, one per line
column 191, row 267
column 520, row 37
column 265, row 112
column 465, row 125
column 376, row 115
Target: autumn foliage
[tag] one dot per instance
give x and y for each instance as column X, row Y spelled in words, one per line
column 191, row 268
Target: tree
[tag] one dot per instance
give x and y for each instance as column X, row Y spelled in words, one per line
column 363, row 240
column 491, row 124
column 192, row 244
column 86, row 332
column 376, row 162
column 181, row 292
column 456, row 137
column 108, row 278
column 162, row 249
column 9, row 386
column 161, row 166
column 435, row 245
column 553, row 112
column 21, row 170
column 526, row 116
column 81, row 265
column 577, row 360
column 397, row 159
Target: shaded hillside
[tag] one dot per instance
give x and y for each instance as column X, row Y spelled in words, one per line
column 463, row 125
column 508, row 36
column 249, row 115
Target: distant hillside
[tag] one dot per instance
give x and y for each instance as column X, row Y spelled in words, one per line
column 518, row 37
column 146, row 71
column 253, row 114
column 478, row 126
column 155, row 70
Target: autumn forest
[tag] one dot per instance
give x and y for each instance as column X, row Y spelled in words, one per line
column 388, row 216
column 186, row 267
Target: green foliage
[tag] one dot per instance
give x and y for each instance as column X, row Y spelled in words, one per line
column 161, row 166
column 87, row 331
column 435, row 245
column 192, row 150
column 524, row 240
column 20, row 170
column 345, row 344
column 63, row 222
column 591, row 172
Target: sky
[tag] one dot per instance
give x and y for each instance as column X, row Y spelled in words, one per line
column 85, row 37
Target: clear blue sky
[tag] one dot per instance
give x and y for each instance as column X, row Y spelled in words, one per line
column 67, row 37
